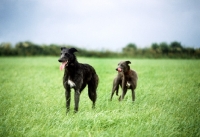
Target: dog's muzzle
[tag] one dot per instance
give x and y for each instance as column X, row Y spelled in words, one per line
column 119, row 69
column 62, row 66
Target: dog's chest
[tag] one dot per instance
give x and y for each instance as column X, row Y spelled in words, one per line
column 128, row 85
column 71, row 83
column 68, row 81
column 128, row 81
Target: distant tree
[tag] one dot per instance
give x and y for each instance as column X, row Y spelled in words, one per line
column 154, row 46
column 161, row 50
column 164, row 48
column 132, row 45
column 6, row 49
column 54, row 49
column 130, row 49
column 176, row 47
column 189, row 51
column 28, row 49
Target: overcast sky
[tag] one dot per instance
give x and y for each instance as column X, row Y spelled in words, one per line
column 100, row 24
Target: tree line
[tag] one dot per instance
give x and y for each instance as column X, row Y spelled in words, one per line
column 156, row 50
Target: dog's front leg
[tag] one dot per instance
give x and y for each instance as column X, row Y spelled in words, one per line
column 68, row 98
column 124, row 89
column 76, row 100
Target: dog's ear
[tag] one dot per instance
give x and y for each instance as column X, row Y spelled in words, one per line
column 62, row 48
column 128, row 62
column 72, row 50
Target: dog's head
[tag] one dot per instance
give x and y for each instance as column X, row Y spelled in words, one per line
column 67, row 57
column 123, row 66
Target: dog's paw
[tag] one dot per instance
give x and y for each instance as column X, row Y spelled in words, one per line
column 120, row 98
column 116, row 93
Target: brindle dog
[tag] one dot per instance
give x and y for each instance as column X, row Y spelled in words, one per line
column 126, row 78
column 77, row 76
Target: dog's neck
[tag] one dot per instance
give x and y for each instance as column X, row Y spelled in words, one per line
column 127, row 72
column 71, row 66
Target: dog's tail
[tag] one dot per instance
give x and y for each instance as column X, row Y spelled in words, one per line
column 92, row 87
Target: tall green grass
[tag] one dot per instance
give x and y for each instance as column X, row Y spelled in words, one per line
column 33, row 103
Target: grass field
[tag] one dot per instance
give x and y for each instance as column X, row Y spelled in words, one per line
column 33, row 103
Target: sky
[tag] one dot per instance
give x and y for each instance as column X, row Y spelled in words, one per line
column 100, row 24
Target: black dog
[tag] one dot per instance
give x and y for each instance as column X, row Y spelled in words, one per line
column 77, row 76
column 126, row 78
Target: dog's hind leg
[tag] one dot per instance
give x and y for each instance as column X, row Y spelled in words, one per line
column 133, row 95
column 115, row 88
column 116, row 83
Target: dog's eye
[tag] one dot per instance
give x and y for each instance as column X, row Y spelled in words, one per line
column 66, row 54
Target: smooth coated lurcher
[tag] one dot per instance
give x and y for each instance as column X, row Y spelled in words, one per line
column 126, row 78
column 77, row 76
